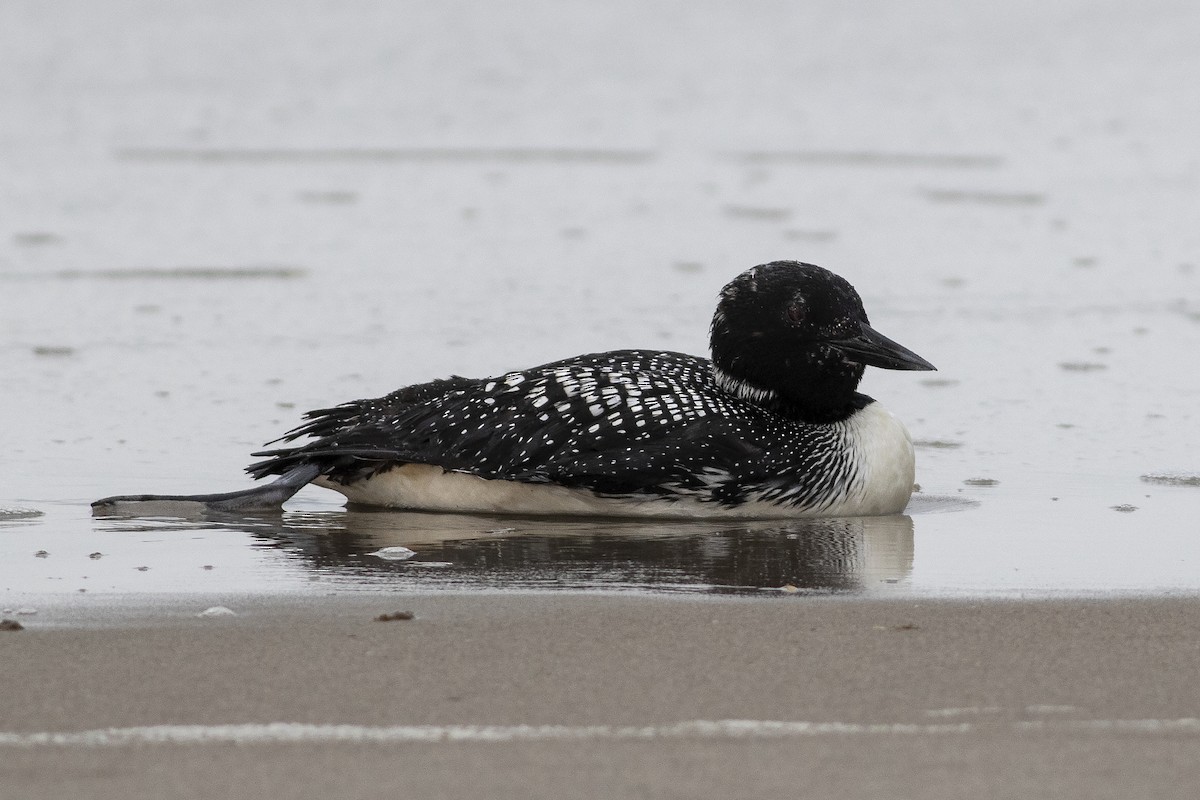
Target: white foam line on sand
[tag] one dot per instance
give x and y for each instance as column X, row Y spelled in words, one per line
column 1184, row 725
column 297, row 733
column 962, row 712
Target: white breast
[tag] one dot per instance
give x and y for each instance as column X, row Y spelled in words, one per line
column 883, row 451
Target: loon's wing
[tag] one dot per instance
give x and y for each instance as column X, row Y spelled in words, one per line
column 706, row 456
column 363, row 434
column 620, row 422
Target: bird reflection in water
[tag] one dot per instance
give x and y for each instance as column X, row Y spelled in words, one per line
column 859, row 554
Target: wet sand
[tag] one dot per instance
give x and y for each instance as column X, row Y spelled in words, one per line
column 1055, row 698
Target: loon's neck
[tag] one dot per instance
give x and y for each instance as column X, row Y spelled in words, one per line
column 831, row 410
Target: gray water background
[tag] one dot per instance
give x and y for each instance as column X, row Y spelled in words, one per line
column 217, row 215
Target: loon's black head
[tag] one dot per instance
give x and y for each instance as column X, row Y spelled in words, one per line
column 795, row 337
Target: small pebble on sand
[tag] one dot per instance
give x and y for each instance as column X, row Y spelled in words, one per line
column 981, row 482
column 393, row 553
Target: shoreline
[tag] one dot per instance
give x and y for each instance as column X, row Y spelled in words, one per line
column 554, row 695
column 120, row 610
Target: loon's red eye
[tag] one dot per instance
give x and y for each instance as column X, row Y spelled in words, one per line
column 795, row 311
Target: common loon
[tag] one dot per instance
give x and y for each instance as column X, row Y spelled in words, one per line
column 771, row 426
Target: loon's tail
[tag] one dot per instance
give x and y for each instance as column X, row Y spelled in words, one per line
column 269, row 497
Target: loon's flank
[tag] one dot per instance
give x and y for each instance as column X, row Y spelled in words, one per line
column 771, row 426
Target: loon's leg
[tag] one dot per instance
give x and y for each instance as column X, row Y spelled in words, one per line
column 260, row 498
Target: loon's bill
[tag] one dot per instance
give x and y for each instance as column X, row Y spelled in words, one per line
column 872, row 348
column 771, row 426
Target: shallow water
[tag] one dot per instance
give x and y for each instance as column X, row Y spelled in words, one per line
column 194, row 250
